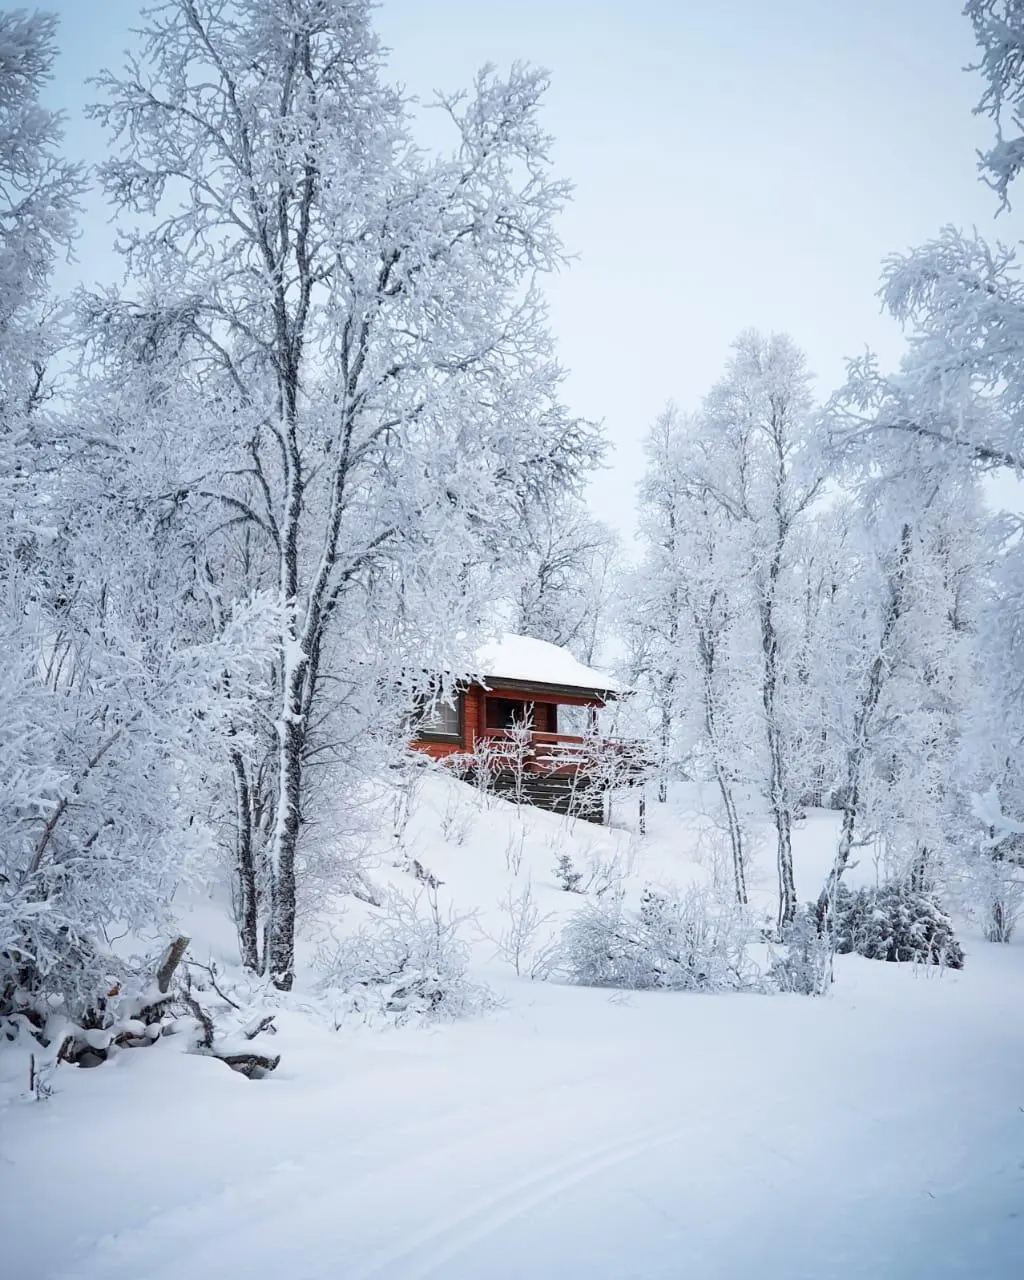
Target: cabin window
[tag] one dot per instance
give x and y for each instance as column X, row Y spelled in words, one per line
column 575, row 721
column 508, row 713
column 440, row 720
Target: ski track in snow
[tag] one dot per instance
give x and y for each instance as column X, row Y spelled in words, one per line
column 267, row 1208
column 268, row 1202
column 423, row 1255
column 297, row 1205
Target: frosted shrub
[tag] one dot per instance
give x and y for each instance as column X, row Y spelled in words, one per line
column 516, row 944
column 404, row 797
column 606, row 874
column 515, row 847
column 63, row 973
column 803, row 965
column 423, row 874
column 995, row 894
column 479, row 767
column 459, row 816
column 1004, row 911
column 897, row 923
column 688, row 943
column 410, row 963
column 94, row 831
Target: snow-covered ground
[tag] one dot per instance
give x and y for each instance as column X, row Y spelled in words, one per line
column 878, row 1132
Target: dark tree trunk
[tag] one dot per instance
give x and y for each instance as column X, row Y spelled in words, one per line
column 919, row 870
column 666, row 739
column 245, row 867
column 291, row 731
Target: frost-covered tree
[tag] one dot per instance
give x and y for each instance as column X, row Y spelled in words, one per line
column 652, row 608
column 368, row 327
column 895, row 674
column 727, row 502
column 562, row 574
column 961, row 298
column 953, row 410
column 683, row 618
column 765, row 468
column 39, row 196
column 999, row 30
column 103, row 711
column 821, row 564
column 146, row 436
column 39, row 192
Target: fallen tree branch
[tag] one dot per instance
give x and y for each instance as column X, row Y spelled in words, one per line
column 201, row 1016
column 264, row 1024
column 250, row 1065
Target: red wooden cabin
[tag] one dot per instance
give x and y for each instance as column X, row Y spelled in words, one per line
column 535, row 709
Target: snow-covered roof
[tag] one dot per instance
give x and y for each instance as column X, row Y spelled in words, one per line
column 538, row 662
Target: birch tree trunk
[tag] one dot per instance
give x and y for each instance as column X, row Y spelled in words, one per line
column 862, row 723
column 707, row 650
column 778, row 790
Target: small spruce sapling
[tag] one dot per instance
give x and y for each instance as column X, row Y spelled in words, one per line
column 567, row 876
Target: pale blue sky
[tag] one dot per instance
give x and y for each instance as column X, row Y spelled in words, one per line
column 737, row 162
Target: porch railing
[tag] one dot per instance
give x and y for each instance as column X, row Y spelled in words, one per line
column 541, row 752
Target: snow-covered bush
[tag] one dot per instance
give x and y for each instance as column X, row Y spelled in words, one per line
column 516, row 944
column 803, row 964
column 459, row 815
column 411, row 962
column 687, row 943
column 515, row 847
column 994, row 876
column 606, row 872
column 99, row 763
column 406, row 786
column 897, row 923
column 998, row 889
